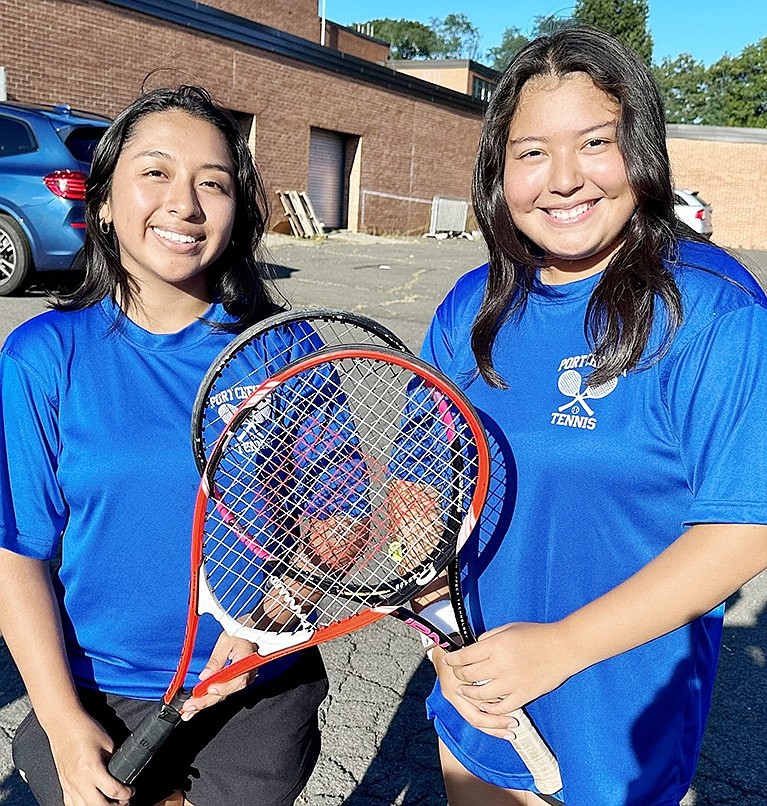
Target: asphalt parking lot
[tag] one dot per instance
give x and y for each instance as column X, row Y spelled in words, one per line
column 378, row 748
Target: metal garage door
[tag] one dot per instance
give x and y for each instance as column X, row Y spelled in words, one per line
column 326, row 176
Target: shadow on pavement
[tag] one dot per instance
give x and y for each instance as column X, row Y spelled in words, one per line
column 12, row 706
column 406, row 767
column 733, row 764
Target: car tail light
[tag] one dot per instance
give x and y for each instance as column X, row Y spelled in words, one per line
column 67, row 184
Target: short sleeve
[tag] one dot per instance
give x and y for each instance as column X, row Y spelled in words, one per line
column 437, row 349
column 32, row 508
column 717, row 398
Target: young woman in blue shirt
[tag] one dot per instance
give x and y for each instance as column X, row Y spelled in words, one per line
column 95, row 466
column 618, row 363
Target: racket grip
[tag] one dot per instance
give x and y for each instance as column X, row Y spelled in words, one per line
column 535, row 753
column 137, row 750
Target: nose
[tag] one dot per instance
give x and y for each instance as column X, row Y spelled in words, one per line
column 565, row 174
column 182, row 199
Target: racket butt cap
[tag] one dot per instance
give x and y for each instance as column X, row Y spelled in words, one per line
column 137, row 750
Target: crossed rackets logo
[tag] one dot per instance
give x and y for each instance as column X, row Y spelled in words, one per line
column 252, row 432
column 570, row 383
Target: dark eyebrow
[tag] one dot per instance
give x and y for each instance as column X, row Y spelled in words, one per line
column 214, row 166
column 208, row 166
column 582, row 133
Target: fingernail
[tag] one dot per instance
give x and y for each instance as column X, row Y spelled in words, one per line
column 213, row 690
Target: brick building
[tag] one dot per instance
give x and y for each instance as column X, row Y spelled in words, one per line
column 371, row 145
column 729, row 167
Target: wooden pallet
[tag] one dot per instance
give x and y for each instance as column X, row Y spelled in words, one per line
column 300, row 214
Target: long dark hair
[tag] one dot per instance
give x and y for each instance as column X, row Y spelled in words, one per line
column 622, row 307
column 235, row 278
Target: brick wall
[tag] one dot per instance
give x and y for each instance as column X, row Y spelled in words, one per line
column 348, row 41
column 731, row 177
column 297, row 17
column 410, row 149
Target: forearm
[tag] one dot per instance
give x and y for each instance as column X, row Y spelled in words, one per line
column 31, row 627
column 698, row 571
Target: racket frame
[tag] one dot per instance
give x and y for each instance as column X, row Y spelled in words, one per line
column 199, row 595
column 335, row 316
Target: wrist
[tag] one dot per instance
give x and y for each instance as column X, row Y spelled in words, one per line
column 574, row 644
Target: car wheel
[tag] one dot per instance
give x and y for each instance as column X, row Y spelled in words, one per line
column 15, row 256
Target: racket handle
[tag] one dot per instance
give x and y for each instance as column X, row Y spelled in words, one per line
column 535, row 753
column 137, row 750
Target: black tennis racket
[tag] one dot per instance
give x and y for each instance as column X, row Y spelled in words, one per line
column 262, row 350
column 528, row 743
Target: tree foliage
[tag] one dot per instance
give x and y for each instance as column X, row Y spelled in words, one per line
column 683, row 84
column 731, row 92
column 453, row 37
column 513, row 40
column 737, row 89
column 626, row 20
column 458, row 38
column 408, row 39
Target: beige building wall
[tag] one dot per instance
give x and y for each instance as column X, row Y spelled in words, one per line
column 454, row 78
column 732, row 177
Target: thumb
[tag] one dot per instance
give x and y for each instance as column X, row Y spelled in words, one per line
column 216, row 661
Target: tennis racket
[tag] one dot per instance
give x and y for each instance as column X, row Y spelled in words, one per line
column 264, row 348
column 529, row 744
column 340, row 488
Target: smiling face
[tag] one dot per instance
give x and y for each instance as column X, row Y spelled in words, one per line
column 565, row 180
column 172, row 202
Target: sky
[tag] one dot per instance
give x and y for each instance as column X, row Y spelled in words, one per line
column 706, row 29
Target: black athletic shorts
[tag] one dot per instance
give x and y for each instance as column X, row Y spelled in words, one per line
column 258, row 746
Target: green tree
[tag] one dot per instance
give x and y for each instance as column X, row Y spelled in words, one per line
column 408, row 39
column 512, row 42
column 624, row 19
column 683, row 82
column 543, row 25
column 458, row 37
column 737, row 89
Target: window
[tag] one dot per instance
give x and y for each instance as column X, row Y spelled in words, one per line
column 482, row 89
column 82, row 141
column 15, row 138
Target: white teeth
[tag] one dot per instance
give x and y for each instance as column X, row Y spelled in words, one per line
column 568, row 215
column 174, row 236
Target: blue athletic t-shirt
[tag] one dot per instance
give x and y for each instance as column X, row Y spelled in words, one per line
column 588, row 485
column 95, row 456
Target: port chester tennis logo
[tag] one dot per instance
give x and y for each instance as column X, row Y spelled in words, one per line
column 578, row 410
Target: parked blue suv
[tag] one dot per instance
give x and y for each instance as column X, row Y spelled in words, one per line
column 45, row 156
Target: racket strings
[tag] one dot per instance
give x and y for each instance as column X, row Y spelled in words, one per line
column 266, row 352
column 346, row 490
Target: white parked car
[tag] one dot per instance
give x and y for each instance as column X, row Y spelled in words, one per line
column 693, row 211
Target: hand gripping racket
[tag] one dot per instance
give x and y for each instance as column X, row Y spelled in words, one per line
column 528, row 743
column 340, row 488
column 264, row 348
